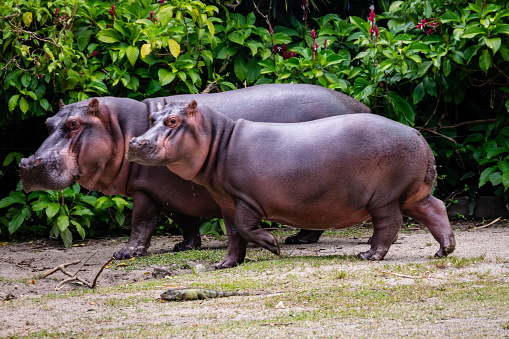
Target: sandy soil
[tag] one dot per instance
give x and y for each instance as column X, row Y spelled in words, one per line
column 21, row 263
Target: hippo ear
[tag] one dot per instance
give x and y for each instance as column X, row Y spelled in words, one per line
column 61, row 103
column 191, row 108
column 164, row 101
column 93, row 107
column 159, row 106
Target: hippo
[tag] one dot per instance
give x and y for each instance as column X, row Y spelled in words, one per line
column 88, row 140
column 334, row 172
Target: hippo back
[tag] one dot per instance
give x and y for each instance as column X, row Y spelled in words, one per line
column 273, row 103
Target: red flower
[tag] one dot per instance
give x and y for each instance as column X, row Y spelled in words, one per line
column 422, row 24
column 313, row 34
column 429, row 31
column 324, row 43
column 56, row 11
column 371, row 16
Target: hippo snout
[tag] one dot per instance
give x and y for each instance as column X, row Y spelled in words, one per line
column 27, row 164
column 140, row 149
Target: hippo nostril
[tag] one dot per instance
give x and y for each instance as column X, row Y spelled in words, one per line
column 37, row 162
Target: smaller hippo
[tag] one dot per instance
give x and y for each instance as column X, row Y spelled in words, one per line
column 329, row 173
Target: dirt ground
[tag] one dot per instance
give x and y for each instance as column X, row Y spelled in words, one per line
column 21, row 265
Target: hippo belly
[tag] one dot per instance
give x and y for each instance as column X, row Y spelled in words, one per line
column 326, row 172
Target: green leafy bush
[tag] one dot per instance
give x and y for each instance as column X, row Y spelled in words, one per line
column 64, row 212
column 437, row 65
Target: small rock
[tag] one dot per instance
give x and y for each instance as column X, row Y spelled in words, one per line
column 160, row 272
column 199, row 268
column 280, row 305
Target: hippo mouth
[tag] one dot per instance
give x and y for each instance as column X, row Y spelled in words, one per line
column 143, row 152
column 45, row 174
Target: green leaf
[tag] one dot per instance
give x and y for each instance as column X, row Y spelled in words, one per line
column 501, row 29
column 205, row 227
column 423, row 68
column 395, row 6
column 253, row 70
column 362, row 88
column 210, row 26
column 100, row 202
column 418, row 93
column 66, row 237
column 236, row 37
column 15, row 223
column 44, row 104
column 493, row 43
column 120, row 203
column 485, row 60
column 505, row 180
column 165, row 76
column 472, row 31
column 174, row 48
column 496, row 178
column 446, row 67
column 402, row 108
column 132, row 53
column 485, row 175
column 108, row 35
column 11, row 157
column 503, row 165
column 359, row 23
column 165, row 15
column 83, row 38
column 97, row 87
column 240, row 68
column 89, row 199
column 52, row 209
column 63, row 222
column 27, row 18
column 23, row 105
column 26, row 79
column 13, row 101
column 79, row 228
column 120, row 217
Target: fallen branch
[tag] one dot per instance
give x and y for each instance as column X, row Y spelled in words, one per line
column 74, row 277
column 426, row 275
column 483, row 226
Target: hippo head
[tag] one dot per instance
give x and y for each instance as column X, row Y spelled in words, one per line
column 173, row 139
column 78, row 148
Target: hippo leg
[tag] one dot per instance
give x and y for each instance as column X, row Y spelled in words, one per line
column 386, row 222
column 237, row 246
column 190, row 229
column 304, row 237
column 144, row 222
column 431, row 213
column 248, row 223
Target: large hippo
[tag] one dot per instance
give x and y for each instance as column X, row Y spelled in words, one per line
column 88, row 140
column 330, row 173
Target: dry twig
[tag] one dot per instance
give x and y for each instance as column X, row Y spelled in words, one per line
column 426, row 275
column 74, row 277
column 483, row 226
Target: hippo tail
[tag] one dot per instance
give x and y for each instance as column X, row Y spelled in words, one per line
column 431, row 171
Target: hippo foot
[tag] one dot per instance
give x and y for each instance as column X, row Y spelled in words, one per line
column 304, row 237
column 226, row 263
column 186, row 246
column 444, row 251
column 129, row 252
column 372, row 255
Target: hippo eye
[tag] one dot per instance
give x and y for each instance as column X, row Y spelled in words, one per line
column 73, row 124
column 172, row 121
